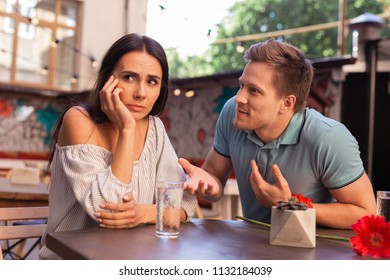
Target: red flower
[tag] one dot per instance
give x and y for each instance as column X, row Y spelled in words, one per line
column 304, row 199
column 373, row 237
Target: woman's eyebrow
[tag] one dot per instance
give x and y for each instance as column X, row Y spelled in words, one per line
column 129, row 72
column 155, row 76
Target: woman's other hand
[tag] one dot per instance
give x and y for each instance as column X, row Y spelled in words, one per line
column 126, row 214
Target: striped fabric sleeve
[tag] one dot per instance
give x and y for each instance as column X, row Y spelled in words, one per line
column 90, row 177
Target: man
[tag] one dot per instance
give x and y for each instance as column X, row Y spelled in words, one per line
column 277, row 147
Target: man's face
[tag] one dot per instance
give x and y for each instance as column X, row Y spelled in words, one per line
column 257, row 101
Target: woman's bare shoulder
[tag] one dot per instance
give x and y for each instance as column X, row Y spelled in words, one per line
column 77, row 112
column 77, row 128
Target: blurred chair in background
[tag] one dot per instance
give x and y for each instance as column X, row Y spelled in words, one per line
column 19, row 224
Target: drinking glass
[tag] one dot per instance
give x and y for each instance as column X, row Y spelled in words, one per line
column 169, row 196
column 383, row 204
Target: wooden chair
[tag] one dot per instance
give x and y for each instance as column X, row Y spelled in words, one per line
column 22, row 223
column 204, row 213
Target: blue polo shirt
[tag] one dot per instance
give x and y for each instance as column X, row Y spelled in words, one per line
column 314, row 154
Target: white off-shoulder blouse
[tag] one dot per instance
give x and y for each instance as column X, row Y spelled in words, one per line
column 82, row 179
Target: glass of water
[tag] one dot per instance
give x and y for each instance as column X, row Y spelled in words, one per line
column 383, row 204
column 169, row 196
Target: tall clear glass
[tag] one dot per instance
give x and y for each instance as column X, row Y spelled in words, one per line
column 168, row 199
column 383, row 204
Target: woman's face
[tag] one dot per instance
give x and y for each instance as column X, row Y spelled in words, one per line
column 140, row 76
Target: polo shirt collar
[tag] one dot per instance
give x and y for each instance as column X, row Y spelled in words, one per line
column 289, row 137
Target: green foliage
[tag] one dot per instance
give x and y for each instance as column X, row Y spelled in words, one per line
column 259, row 16
column 189, row 66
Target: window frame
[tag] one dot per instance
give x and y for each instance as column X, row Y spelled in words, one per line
column 52, row 54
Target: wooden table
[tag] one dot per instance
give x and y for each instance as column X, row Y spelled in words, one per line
column 15, row 195
column 201, row 239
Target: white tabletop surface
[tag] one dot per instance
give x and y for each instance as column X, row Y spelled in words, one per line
column 7, row 186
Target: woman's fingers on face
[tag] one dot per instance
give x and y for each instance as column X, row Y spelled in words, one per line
column 109, row 95
column 108, row 88
column 117, row 91
column 110, row 80
column 111, row 84
column 115, row 98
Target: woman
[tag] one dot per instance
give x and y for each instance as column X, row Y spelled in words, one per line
column 109, row 153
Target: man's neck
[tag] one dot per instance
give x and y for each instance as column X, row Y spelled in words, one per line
column 269, row 134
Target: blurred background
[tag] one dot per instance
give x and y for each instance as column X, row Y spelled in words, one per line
column 50, row 52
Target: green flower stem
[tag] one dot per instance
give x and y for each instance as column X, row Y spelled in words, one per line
column 253, row 221
column 332, row 237
column 322, row 236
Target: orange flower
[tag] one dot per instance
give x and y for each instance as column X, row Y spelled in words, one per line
column 373, row 237
column 304, row 199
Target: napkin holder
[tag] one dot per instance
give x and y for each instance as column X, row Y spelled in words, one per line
column 294, row 228
column 25, row 176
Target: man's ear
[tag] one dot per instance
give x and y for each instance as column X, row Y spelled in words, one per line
column 288, row 103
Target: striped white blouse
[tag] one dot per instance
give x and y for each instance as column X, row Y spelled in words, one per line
column 82, row 179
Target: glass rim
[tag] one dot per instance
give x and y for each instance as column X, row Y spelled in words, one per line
column 383, row 194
